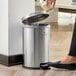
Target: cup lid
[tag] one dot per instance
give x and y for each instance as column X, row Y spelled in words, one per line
column 34, row 17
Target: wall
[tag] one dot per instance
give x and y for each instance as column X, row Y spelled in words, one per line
column 11, row 12
column 63, row 2
column 17, row 9
column 4, row 27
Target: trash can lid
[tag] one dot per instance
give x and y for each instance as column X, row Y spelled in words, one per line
column 34, row 17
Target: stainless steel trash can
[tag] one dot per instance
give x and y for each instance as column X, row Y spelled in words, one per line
column 36, row 41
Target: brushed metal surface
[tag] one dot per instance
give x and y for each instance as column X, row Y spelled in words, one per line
column 36, row 45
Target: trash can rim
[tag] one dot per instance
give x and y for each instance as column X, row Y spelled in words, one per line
column 34, row 17
column 37, row 26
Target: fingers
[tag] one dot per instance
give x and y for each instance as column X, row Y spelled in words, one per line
column 52, row 2
column 46, row 2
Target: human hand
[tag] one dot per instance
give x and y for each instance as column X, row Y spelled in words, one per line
column 52, row 2
column 47, row 5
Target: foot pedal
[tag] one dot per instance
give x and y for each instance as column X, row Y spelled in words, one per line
column 45, row 66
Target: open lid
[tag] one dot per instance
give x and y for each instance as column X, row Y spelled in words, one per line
column 34, row 17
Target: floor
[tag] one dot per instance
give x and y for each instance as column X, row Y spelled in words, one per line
column 60, row 44
column 60, row 41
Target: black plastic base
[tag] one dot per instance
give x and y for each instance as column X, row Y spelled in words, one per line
column 35, row 68
column 31, row 68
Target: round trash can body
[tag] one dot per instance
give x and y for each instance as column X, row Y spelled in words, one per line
column 36, row 44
